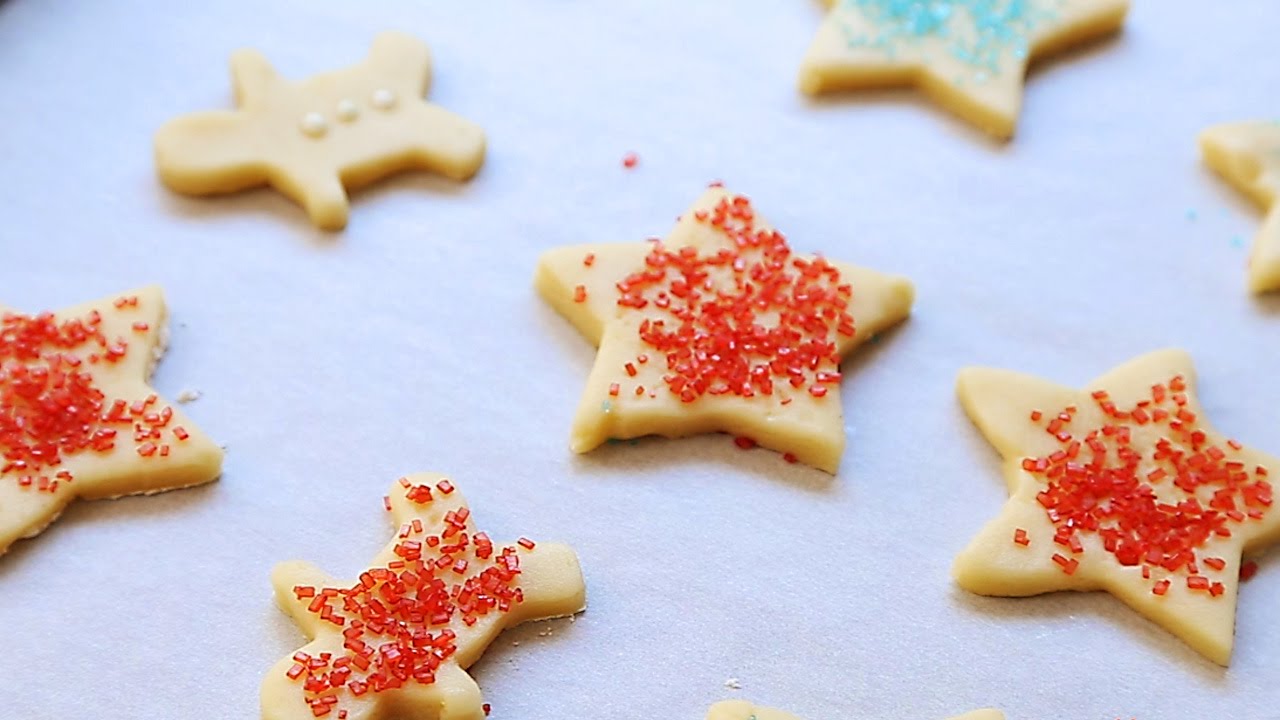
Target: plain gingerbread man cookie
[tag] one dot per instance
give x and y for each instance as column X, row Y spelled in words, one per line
column 396, row 642
column 315, row 139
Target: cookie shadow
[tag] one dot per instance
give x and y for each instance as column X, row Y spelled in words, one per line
column 1062, row 606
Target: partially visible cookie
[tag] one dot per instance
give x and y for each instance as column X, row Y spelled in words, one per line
column 77, row 417
column 396, row 641
column 742, row 710
column 1247, row 155
column 970, row 56
column 315, row 139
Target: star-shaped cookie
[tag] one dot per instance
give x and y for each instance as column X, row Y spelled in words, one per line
column 718, row 328
column 742, row 710
column 314, row 139
column 77, row 417
column 1247, row 155
column 970, row 56
column 1124, row 487
column 396, row 642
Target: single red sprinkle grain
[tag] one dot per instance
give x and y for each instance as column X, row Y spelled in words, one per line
column 745, row 443
column 525, row 543
column 1020, row 537
column 580, row 294
column 629, row 161
column 589, row 259
column 1248, row 570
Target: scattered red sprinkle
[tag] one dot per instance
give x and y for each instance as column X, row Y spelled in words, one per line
column 51, row 408
column 1068, row 565
column 1099, row 483
column 445, row 487
column 791, row 458
column 1020, row 537
column 1248, row 570
column 395, row 620
column 580, row 294
column 745, row 443
column 742, row 317
column 141, row 327
column 630, row 160
column 613, row 389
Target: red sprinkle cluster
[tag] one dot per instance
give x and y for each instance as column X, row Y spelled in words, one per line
column 50, row 407
column 1099, row 483
column 396, row 619
column 742, row 317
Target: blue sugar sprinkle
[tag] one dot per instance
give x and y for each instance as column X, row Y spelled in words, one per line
column 1237, row 241
column 1000, row 26
column 1192, row 215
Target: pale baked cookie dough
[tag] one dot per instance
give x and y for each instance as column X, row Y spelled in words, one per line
column 1124, row 487
column 1247, row 155
column 718, row 328
column 970, row 56
column 77, row 417
column 396, row 642
column 742, row 710
column 315, row 139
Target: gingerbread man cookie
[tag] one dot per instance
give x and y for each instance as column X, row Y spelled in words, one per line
column 718, row 328
column 1122, row 487
column 742, row 710
column 315, row 139
column 1247, row 155
column 970, row 56
column 397, row 641
column 77, row 417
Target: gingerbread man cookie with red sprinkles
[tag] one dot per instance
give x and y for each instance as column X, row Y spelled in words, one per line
column 1247, row 155
column 77, row 417
column 720, row 327
column 742, row 710
column 396, row 642
column 315, row 139
column 1122, row 487
column 969, row 56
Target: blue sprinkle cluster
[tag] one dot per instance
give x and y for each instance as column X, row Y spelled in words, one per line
column 1000, row 26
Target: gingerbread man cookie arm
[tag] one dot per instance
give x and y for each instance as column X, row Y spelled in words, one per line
column 1247, row 155
column 210, row 153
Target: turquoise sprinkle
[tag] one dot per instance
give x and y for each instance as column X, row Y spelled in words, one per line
column 606, row 406
column 999, row 26
column 1192, row 214
column 1237, row 241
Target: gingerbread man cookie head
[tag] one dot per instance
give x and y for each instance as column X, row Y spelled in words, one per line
column 315, row 139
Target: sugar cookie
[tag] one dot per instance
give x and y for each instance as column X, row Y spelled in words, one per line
column 314, row 139
column 397, row 641
column 718, row 328
column 77, row 417
column 1122, row 487
column 742, row 710
column 1247, row 155
column 970, row 56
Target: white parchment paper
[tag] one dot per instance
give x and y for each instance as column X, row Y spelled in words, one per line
column 331, row 364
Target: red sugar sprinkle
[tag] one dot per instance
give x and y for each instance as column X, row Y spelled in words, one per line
column 1153, row 507
column 50, row 409
column 1020, row 537
column 580, row 294
column 630, row 160
column 525, row 543
column 445, row 487
column 589, row 259
column 398, row 621
column 486, row 709
column 791, row 458
column 1248, row 570
column 613, row 389
column 745, row 443
column 743, row 316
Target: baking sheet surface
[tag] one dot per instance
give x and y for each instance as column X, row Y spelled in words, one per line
column 332, row 363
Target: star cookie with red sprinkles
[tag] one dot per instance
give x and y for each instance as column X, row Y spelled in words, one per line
column 719, row 327
column 396, row 642
column 77, row 417
column 742, row 710
column 1124, row 487
column 970, row 56
column 1247, row 155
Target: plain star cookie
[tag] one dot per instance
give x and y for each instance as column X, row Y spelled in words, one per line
column 77, row 417
column 1247, row 155
column 970, row 56
column 396, row 642
column 314, row 139
column 720, row 327
column 742, row 710
column 1122, row 487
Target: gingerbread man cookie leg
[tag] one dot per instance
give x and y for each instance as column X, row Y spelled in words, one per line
column 718, row 328
column 742, row 710
column 1121, row 487
column 1247, row 155
column 397, row 642
column 971, row 57
column 77, row 417
column 315, row 139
